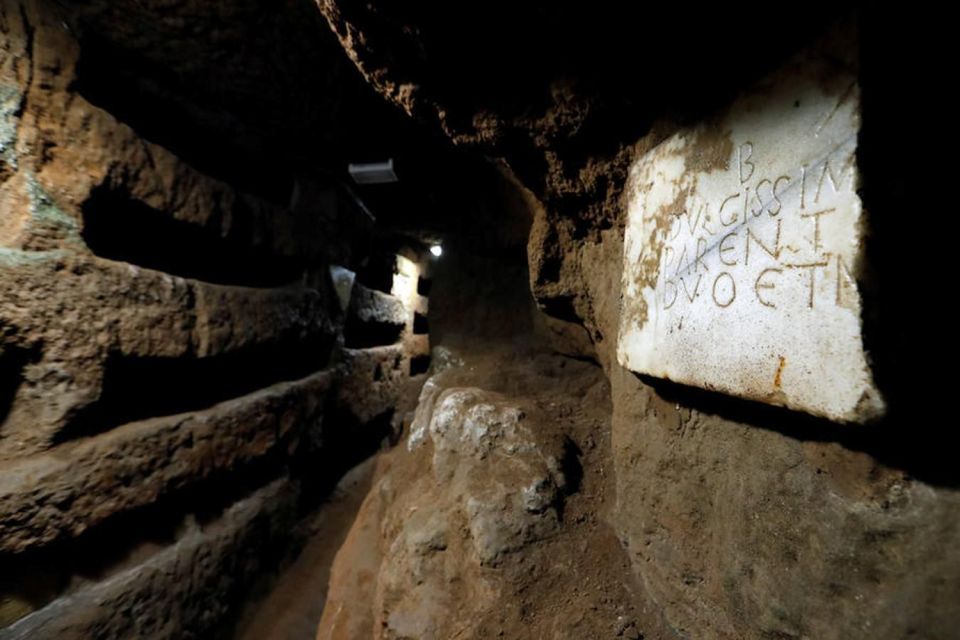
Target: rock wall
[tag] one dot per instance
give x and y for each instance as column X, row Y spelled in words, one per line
column 742, row 521
column 200, row 326
column 180, row 382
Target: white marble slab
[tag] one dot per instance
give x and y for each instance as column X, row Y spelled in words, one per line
column 743, row 248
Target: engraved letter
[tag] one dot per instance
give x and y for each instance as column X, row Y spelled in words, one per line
column 827, row 173
column 760, row 197
column 667, row 258
column 683, row 263
column 777, row 192
column 813, row 271
column 693, row 222
column 803, row 187
column 724, row 299
column 745, row 152
column 675, row 227
column 724, row 249
column 669, row 285
column 701, row 251
column 735, row 217
column 696, row 288
column 765, row 285
column 842, row 270
column 706, row 219
column 773, row 253
column 816, row 226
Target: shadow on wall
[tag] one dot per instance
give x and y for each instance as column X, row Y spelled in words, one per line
column 34, row 578
column 13, row 361
column 136, row 388
column 358, row 334
column 916, row 436
column 902, row 440
column 117, row 227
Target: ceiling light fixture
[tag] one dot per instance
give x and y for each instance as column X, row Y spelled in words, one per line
column 373, row 172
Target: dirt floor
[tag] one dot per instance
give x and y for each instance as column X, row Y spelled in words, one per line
column 573, row 582
column 446, row 543
column 293, row 603
column 577, row 582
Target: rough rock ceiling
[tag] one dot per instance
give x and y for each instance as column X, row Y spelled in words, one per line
column 261, row 90
column 254, row 92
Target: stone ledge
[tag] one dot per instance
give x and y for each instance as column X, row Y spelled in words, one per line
column 76, row 312
column 184, row 590
column 67, row 491
column 373, row 379
column 371, row 306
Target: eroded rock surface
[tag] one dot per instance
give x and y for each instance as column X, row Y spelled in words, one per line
column 485, row 523
column 178, row 378
column 744, row 522
column 170, row 337
column 181, row 591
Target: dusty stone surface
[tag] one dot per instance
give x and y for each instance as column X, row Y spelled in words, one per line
column 182, row 591
column 743, row 246
column 816, row 541
column 514, row 505
column 371, row 306
column 373, row 379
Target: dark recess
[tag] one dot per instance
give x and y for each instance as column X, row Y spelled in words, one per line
column 320, row 462
column 571, row 466
column 420, row 323
column 345, row 443
column 152, row 100
column 423, row 286
column 137, row 388
column 377, row 272
column 572, row 470
column 358, row 334
column 419, row 364
column 561, row 307
column 40, row 575
column 13, row 360
column 117, row 227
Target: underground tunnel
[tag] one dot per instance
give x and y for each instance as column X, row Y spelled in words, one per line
column 337, row 320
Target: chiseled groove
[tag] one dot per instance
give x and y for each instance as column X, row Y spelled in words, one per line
column 121, row 228
column 76, row 486
column 135, row 389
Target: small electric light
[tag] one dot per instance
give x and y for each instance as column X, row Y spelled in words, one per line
column 372, row 172
column 436, row 250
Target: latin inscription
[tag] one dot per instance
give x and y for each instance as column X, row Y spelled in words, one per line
column 742, row 249
column 740, row 246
